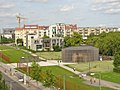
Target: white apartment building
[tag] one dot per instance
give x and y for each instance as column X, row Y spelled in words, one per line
column 9, row 33
column 57, row 30
column 61, row 30
column 37, row 31
column 40, row 44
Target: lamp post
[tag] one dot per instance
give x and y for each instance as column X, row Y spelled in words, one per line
column 89, row 66
column 64, row 82
column 99, row 80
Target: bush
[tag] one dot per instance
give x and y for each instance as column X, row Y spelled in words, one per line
column 56, row 48
column 116, row 69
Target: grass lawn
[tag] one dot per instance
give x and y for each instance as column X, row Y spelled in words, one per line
column 105, row 67
column 96, row 66
column 110, row 76
column 12, row 53
column 71, row 77
column 50, row 55
column 72, row 80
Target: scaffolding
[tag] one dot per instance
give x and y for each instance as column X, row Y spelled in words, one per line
column 80, row 54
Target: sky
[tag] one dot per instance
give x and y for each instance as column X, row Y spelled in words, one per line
column 84, row 13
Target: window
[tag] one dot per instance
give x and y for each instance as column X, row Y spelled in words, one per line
column 38, row 46
column 32, row 37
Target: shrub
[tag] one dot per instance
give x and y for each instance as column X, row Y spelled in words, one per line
column 116, row 69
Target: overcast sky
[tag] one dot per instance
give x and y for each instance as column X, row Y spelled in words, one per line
column 46, row 12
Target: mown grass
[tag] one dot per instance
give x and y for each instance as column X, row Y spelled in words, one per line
column 50, row 55
column 96, row 66
column 70, row 77
column 110, row 76
column 14, row 54
column 105, row 67
column 74, row 79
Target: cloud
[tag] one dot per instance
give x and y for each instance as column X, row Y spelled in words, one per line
column 66, row 8
column 44, row 1
column 6, row 5
column 105, row 1
column 106, row 6
column 5, row 14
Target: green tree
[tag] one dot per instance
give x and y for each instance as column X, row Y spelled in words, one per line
column 107, row 43
column 74, row 40
column 56, row 48
column 50, row 79
column 116, row 62
column 6, row 40
column 45, row 37
column 36, row 71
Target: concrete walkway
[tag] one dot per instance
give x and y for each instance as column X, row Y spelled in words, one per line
column 13, row 74
column 98, row 82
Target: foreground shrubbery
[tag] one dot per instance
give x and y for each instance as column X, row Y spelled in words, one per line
column 116, row 69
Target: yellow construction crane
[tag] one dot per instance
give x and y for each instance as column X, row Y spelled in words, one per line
column 19, row 17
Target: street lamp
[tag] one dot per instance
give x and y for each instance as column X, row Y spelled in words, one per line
column 99, row 75
column 64, row 82
column 99, row 80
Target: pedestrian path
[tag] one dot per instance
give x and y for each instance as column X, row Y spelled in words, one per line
column 13, row 74
column 98, row 82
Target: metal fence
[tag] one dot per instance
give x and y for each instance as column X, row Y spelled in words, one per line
column 80, row 54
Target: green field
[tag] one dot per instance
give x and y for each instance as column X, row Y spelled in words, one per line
column 96, row 66
column 50, row 55
column 105, row 67
column 75, row 80
column 72, row 80
column 13, row 53
column 110, row 76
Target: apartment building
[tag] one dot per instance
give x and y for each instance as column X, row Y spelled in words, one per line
column 8, row 33
column 32, row 36
column 37, row 31
column 39, row 44
column 70, row 28
column 86, row 31
column 57, row 30
column 61, row 30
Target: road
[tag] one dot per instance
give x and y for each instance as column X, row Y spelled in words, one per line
column 13, row 84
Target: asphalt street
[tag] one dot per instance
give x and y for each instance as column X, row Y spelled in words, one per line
column 13, row 84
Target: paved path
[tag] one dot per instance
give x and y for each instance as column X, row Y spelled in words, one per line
column 100, row 83
column 14, row 76
column 104, row 83
column 87, row 78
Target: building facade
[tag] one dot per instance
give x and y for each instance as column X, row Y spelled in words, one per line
column 86, row 31
column 37, row 31
column 9, row 33
column 43, row 44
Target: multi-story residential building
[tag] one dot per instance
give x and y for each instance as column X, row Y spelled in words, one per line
column 86, row 31
column 38, row 31
column 32, row 36
column 39, row 44
column 57, row 30
column 9, row 33
column 61, row 30
column 69, row 29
